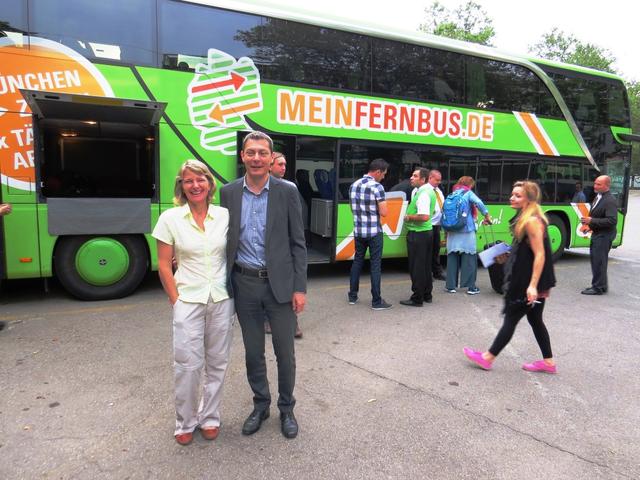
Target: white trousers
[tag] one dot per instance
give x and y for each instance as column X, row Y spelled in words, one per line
column 202, row 337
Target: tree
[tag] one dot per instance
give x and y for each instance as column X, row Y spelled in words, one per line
column 468, row 22
column 566, row 48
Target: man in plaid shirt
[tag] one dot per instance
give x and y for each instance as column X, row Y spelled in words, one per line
column 368, row 205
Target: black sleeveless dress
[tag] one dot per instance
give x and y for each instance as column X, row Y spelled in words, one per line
column 519, row 267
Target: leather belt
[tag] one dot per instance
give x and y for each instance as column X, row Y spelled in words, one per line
column 251, row 272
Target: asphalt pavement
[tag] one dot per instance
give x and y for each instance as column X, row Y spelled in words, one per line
column 86, row 388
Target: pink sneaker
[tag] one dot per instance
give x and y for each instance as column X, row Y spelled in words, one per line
column 476, row 357
column 539, row 366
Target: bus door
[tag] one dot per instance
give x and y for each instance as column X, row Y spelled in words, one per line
column 316, row 179
column 96, row 177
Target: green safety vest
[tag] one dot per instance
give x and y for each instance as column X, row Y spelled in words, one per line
column 412, row 209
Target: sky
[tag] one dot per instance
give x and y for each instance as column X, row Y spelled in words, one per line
column 518, row 24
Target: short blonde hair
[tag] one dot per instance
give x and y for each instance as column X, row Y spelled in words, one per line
column 199, row 168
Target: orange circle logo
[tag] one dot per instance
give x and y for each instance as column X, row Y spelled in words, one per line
column 36, row 64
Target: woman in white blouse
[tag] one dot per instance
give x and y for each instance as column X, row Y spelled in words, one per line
column 195, row 234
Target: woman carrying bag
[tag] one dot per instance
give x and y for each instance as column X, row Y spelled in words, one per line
column 529, row 277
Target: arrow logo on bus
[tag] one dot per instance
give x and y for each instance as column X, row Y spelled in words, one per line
column 233, row 79
column 222, row 92
column 218, row 113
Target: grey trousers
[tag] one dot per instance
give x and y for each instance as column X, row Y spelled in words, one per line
column 253, row 299
column 202, row 336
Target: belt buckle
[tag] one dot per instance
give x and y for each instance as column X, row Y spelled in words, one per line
column 262, row 273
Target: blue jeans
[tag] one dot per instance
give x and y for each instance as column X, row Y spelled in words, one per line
column 374, row 244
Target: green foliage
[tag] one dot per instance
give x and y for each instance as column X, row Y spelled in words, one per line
column 562, row 47
column 468, row 22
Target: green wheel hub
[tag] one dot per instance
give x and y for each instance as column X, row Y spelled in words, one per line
column 555, row 237
column 102, row 261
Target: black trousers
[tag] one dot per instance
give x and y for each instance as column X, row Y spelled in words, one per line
column 599, row 254
column 512, row 316
column 419, row 253
column 253, row 299
column 436, row 267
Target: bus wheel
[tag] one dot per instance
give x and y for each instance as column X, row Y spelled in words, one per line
column 557, row 236
column 101, row 267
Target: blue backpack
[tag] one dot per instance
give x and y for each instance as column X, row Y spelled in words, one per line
column 455, row 211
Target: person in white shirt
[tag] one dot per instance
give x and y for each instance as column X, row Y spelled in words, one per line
column 195, row 233
column 435, row 178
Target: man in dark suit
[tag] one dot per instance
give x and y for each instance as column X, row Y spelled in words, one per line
column 267, row 270
column 602, row 221
column 279, row 169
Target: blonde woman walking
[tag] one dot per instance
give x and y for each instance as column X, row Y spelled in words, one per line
column 529, row 277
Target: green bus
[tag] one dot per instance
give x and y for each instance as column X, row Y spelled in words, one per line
column 100, row 102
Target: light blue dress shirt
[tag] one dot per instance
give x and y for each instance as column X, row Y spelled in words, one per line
column 253, row 227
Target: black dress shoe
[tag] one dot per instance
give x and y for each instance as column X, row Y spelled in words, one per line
column 254, row 420
column 591, row 291
column 440, row 276
column 288, row 424
column 410, row 303
column 428, row 299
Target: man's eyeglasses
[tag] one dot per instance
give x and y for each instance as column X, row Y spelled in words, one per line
column 257, row 153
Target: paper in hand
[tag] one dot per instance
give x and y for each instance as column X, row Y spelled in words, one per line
column 488, row 256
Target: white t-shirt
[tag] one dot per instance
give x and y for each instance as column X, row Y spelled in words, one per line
column 435, row 220
column 424, row 201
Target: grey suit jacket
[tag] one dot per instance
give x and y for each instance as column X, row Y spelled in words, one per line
column 285, row 250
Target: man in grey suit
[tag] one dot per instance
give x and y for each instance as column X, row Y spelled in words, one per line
column 267, row 271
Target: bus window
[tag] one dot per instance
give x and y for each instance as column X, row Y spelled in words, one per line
column 488, row 181
column 119, row 30
column 568, row 175
column 543, row 172
column 617, row 105
column 13, row 17
column 512, row 171
column 461, row 166
column 215, row 28
column 414, row 71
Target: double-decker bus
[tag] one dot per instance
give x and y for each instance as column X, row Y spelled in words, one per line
column 100, row 102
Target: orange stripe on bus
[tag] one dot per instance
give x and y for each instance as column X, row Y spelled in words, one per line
column 537, row 134
column 348, row 251
column 584, row 212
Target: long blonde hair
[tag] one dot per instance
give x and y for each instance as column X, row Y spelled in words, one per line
column 531, row 192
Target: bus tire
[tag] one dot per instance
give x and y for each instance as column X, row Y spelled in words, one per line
column 101, row 267
column 557, row 236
